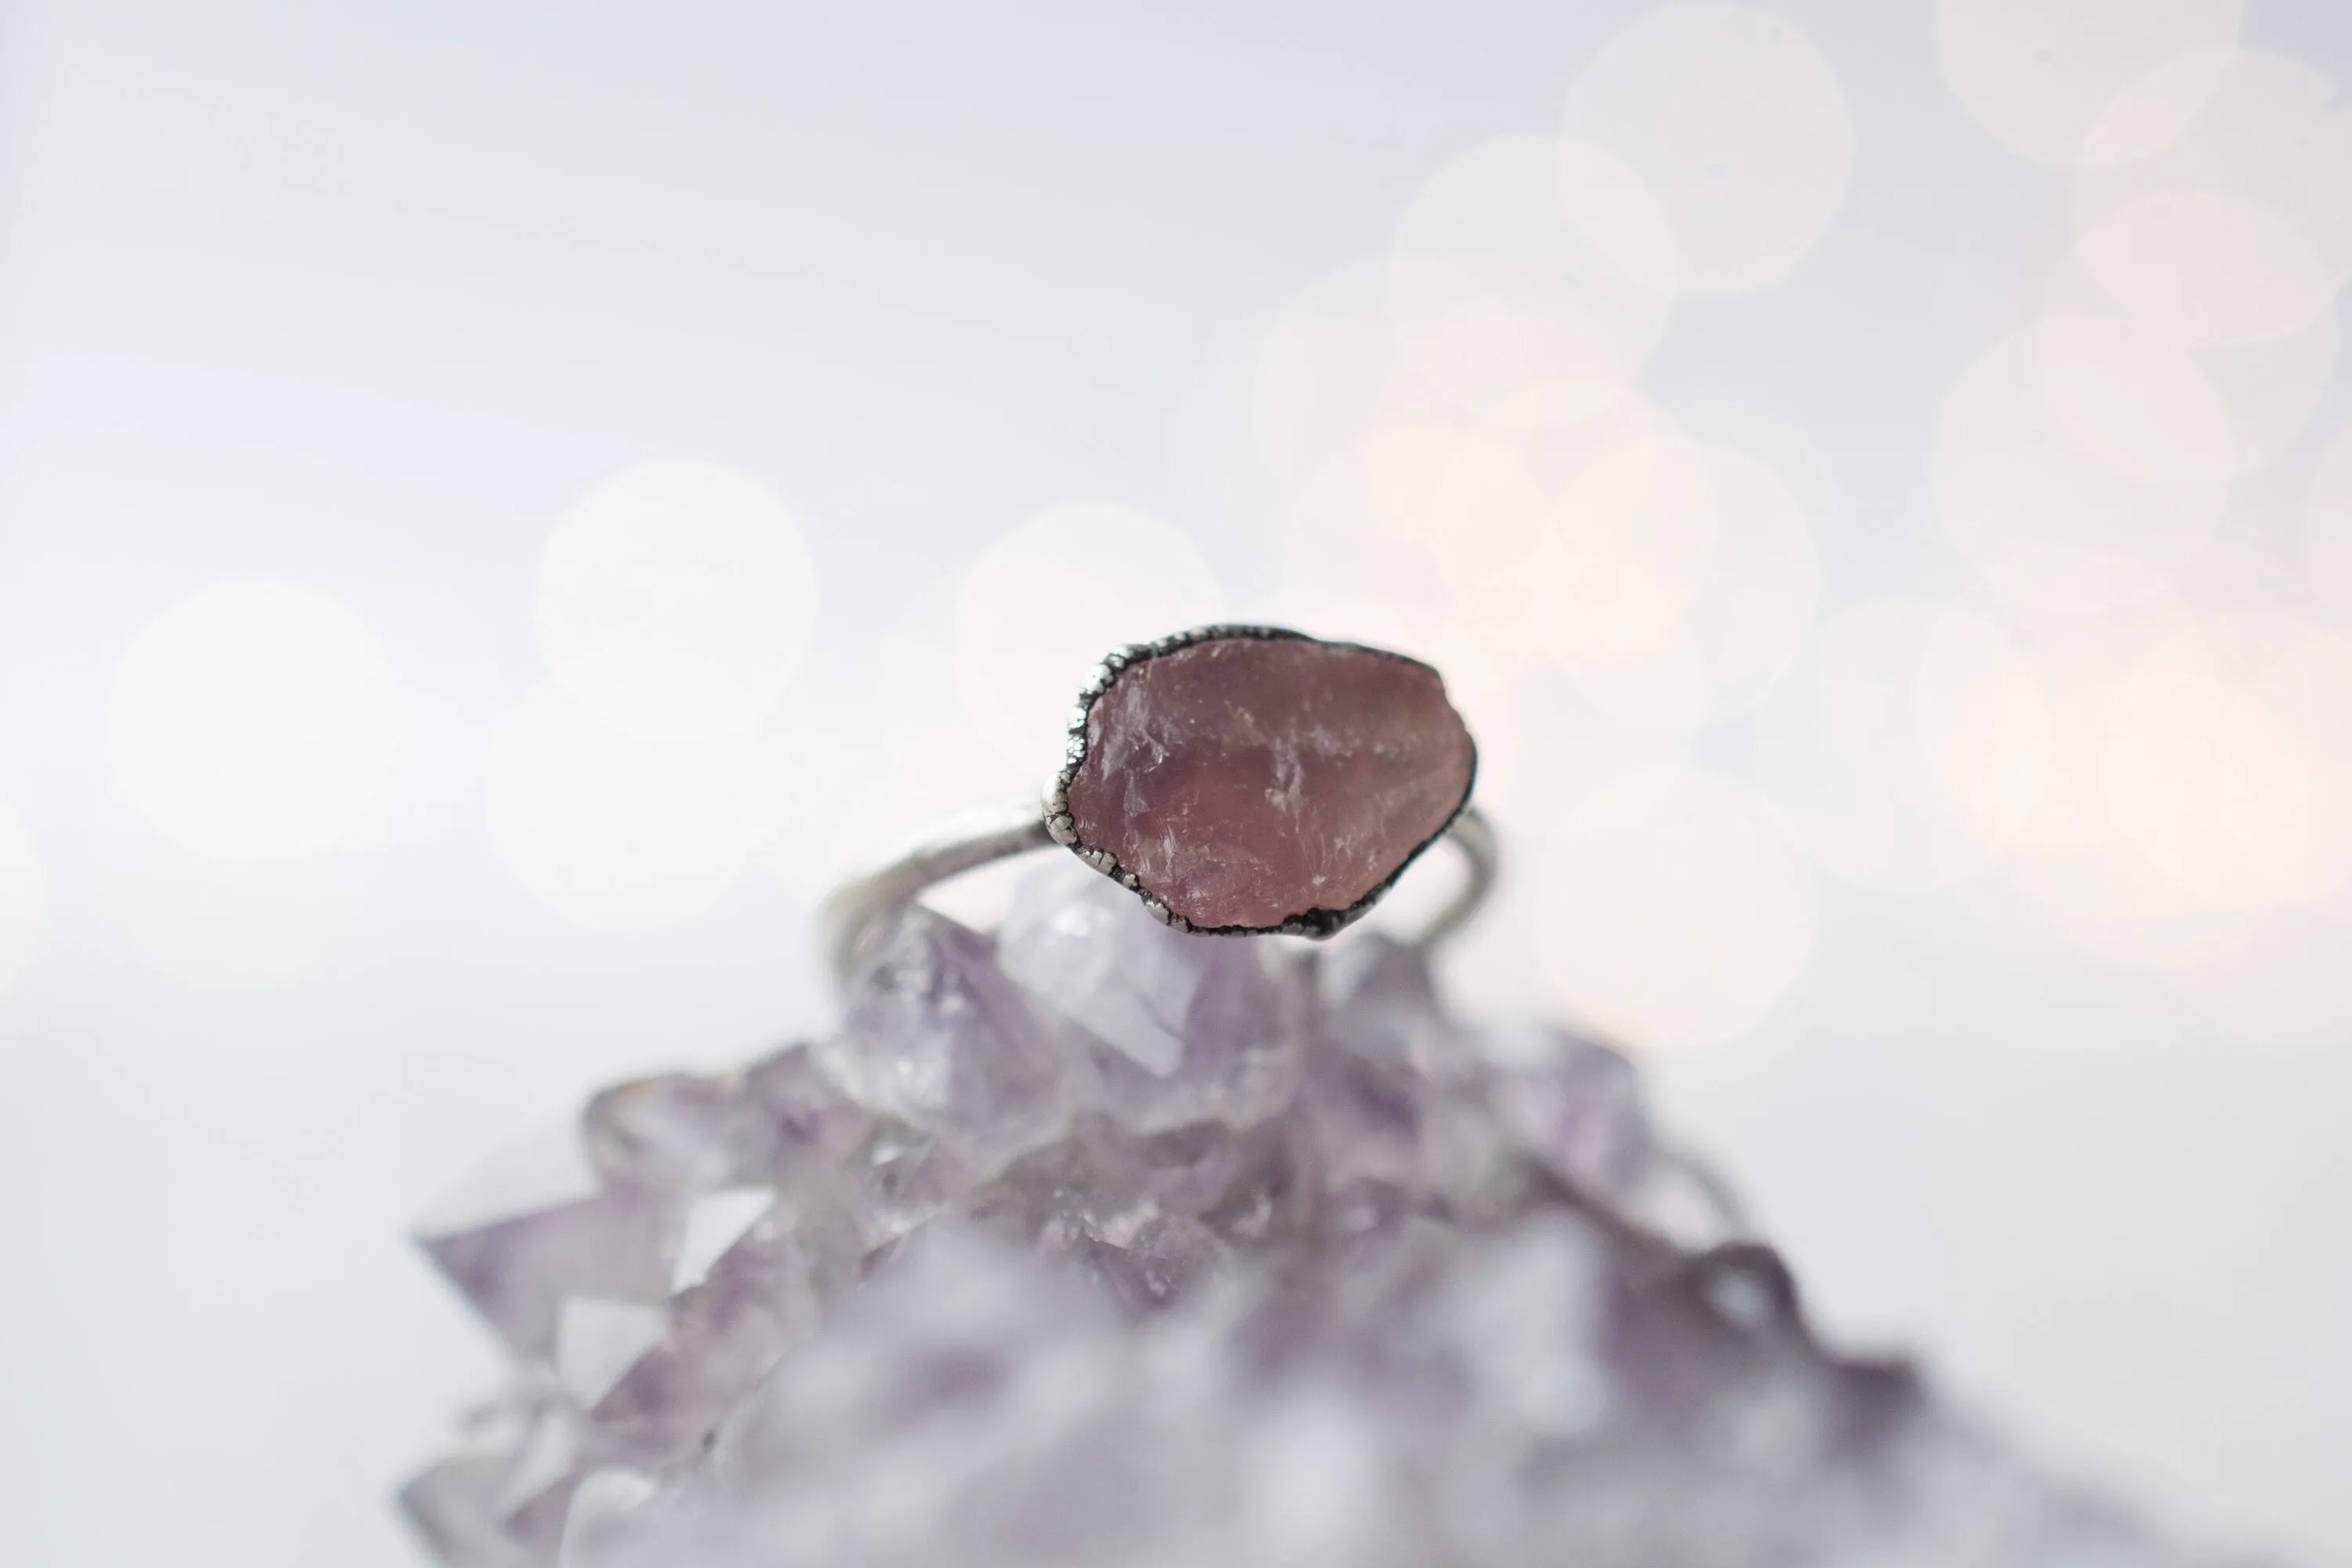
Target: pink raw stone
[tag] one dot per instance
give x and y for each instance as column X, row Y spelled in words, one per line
column 1248, row 780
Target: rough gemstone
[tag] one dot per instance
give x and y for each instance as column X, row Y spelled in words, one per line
column 1247, row 781
column 971, row 1284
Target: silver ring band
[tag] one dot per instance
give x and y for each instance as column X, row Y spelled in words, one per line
column 860, row 908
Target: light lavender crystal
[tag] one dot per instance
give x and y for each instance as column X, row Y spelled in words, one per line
column 1161, row 1028
column 936, row 1036
column 1098, row 1244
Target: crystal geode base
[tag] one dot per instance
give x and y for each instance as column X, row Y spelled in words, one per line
column 1093, row 1243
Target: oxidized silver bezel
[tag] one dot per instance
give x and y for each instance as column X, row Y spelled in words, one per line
column 1064, row 828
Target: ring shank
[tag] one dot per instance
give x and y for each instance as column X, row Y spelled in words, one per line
column 860, row 908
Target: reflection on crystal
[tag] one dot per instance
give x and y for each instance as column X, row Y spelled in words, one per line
column 1172, row 1030
column 1379, row 999
column 600, row 1507
column 715, row 1223
column 451, row 1509
column 1061, row 945
column 896, row 1180
column 1576, row 1106
column 598, row 1340
column 758, row 1300
column 791, row 1119
column 937, row 1037
column 668, row 1134
column 1104, row 1245
column 494, row 1504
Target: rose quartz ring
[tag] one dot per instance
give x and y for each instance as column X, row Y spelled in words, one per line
column 1242, row 781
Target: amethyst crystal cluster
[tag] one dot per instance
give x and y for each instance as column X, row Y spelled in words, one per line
column 1093, row 1243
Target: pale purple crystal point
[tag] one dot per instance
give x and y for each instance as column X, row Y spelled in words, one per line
column 665, row 1132
column 539, row 1229
column 936, row 1038
column 1169, row 1029
column 1098, row 1244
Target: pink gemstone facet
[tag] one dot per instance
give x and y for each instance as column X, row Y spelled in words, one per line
column 1248, row 780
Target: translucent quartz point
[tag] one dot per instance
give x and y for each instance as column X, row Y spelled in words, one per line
column 1070, row 943
column 660, row 1133
column 517, row 1249
column 1575, row 1105
column 1248, row 780
column 1101, row 1244
column 937, row 1037
column 1170, row 1027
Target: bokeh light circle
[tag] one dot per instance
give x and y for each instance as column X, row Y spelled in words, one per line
column 1735, row 125
column 2143, row 406
column 251, row 925
column 1681, row 923
column 1459, row 505
column 21, row 898
column 2207, row 268
column 1636, row 536
column 673, row 600
column 2068, row 82
column 1912, row 745
column 2272, row 389
column 1679, row 583
column 1530, row 275
column 2155, row 111
column 254, row 720
column 1619, row 216
column 2274, row 141
column 618, row 833
column 2327, row 528
column 2228, row 759
column 2229, row 311
column 1319, row 370
column 2078, row 869
column 1755, row 604
column 1045, row 603
column 2053, row 473
column 834, row 823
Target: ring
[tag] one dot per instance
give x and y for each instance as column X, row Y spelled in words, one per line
column 1241, row 781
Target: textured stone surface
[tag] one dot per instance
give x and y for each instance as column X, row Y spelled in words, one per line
column 1099, row 1245
column 1248, row 781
